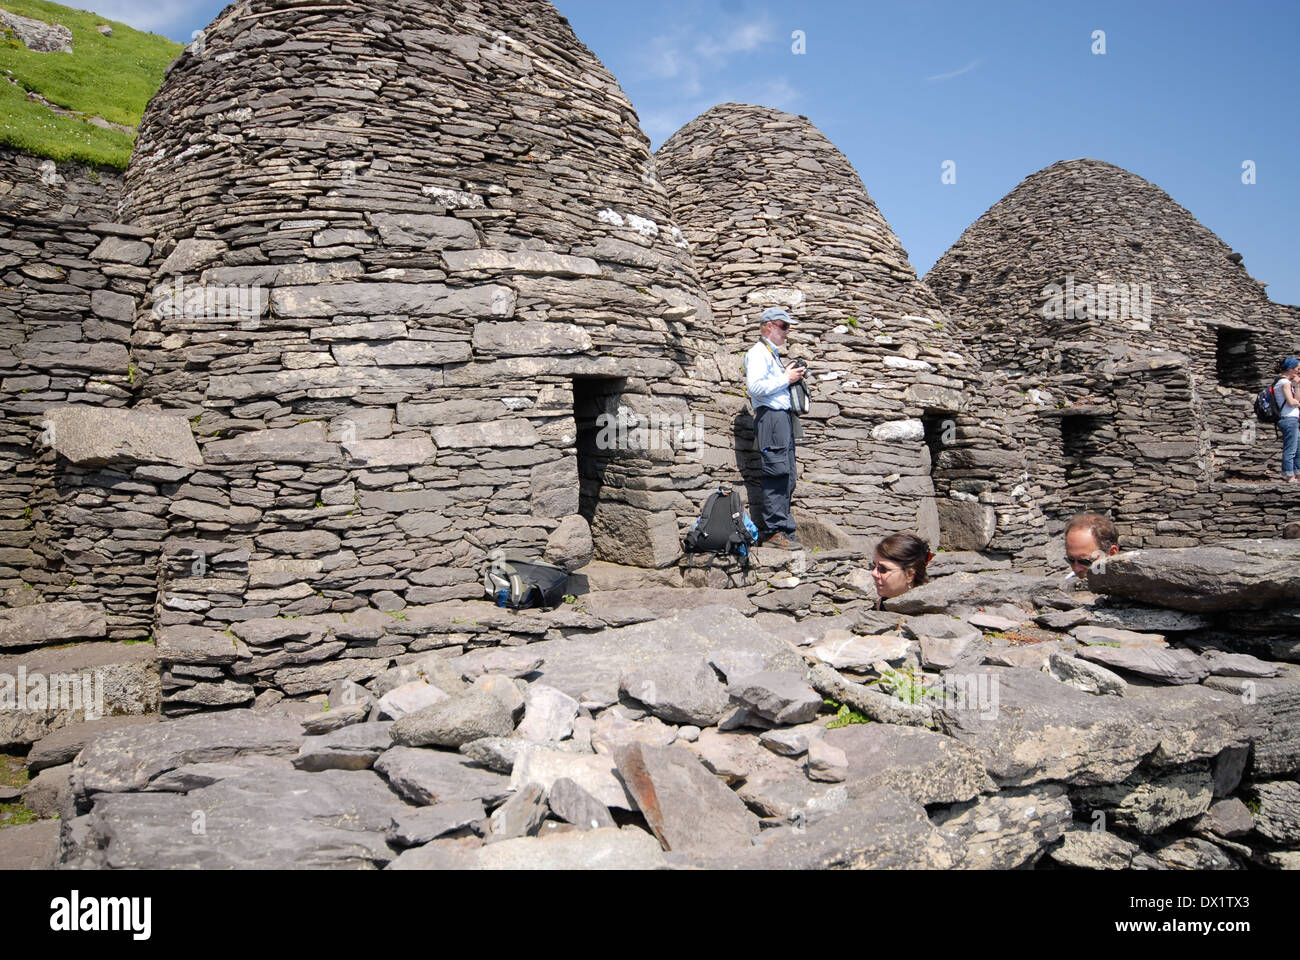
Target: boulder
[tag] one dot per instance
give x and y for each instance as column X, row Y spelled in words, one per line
column 780, row 697
column 678, row 691
column 569, row 545
column 1085, row 676
column 688, row 808
column 354, row 747
column 456, row 720
column 1233, row 575
column 128, row 759
column 426, row 777
column 1039, row 729
column 1154, row 663
column 1009, row 830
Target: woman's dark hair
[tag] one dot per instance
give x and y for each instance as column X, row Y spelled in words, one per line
column 909, row 551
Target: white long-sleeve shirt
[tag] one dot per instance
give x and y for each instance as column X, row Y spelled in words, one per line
column 766, row 378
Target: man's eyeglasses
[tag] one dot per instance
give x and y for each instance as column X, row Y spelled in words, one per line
column 1082, row 561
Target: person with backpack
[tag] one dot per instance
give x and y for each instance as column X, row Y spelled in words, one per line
column 1286, row 395
column 769, row 383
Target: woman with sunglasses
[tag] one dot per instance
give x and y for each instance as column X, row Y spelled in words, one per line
column 900, row 563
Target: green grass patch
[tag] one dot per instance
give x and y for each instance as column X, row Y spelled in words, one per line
column 110, row 77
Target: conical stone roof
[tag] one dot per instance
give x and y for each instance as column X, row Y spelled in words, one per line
column 407, row 253
column 776, row 215
column 1078, row 225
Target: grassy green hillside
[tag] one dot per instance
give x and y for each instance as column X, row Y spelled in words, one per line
column 109, row 77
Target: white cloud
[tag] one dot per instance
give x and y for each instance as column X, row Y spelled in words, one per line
column 151, row 16
column 695, row 61
column 956, row 73
column 776, row 92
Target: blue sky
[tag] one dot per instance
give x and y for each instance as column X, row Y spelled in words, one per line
column 1184, row 94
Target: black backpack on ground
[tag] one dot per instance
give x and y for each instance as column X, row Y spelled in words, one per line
column 1267, row 407
column 723, row 529
column 519, row 584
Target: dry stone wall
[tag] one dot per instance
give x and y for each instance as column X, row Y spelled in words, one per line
column 1135, row 341
column 1084, row 251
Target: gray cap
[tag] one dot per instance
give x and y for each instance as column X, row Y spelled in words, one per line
column 777, row 315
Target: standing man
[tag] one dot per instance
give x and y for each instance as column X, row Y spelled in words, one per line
column 769, row 382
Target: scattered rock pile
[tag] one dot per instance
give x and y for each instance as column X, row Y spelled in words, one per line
column 1029, row 724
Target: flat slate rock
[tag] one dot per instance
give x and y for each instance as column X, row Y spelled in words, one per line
column 277, row 820
column 964, row 592
column 1155, row 663
column 926, row 766
column 689, row 809
column 420, row 825
column 582, row 663
column 1196, row 722
column 354, row 747
column 30, row 846
column 1037, row 729
column 127, row 759
column 881, row 830
column 1233, row 575
column 58, row 622
column 63, row 745
column 425, row 776
column 678, row 690
column 608, row 848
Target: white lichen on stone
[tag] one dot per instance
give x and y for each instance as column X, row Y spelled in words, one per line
column 453, row 199
column 610, row 217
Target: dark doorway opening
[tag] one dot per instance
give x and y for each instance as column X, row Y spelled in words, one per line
column 1235, row 362
column 596, row 415
column 1084, row 442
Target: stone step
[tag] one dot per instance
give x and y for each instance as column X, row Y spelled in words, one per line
column 123, row 676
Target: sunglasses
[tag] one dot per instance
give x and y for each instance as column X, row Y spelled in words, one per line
column 1082, row 561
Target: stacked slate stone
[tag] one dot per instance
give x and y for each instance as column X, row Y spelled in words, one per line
column 406, row 253
column 39, row 187
column 75, row 523
column 1081, row 224
column 778, row 216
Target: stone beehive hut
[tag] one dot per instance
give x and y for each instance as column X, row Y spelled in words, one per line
column 776, row 215
column 401, row 256
column 1128, row 342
